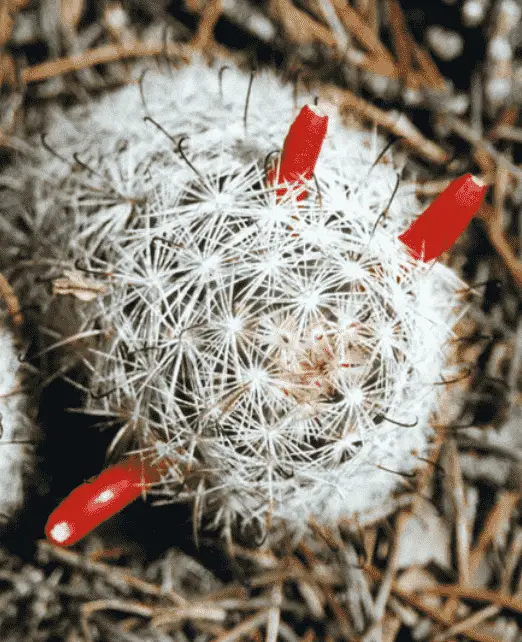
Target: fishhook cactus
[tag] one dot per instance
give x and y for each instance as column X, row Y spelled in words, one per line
column 263, row 319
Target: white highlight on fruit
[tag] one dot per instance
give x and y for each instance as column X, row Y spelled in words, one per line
column 104, row 497
column 60, row 532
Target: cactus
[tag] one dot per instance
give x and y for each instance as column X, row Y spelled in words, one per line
column 17, row 413
column 273, row 344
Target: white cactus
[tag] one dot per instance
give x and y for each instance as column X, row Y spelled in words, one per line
column 17, row 427
column 269, row 348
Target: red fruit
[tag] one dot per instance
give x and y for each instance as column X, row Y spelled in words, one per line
column 440, row 225
column 93, row 502
column 300, row 151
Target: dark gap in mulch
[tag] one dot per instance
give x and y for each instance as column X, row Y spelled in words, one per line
column 421, row 16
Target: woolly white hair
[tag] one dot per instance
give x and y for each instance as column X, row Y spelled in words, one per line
column 16, row 427
column 282, row 355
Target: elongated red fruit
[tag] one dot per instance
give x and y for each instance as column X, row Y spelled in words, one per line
column 93, row 502
column 440, row 225
column 300, row 151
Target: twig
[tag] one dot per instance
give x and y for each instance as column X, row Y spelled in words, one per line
column 368, row 38
column 390, row 627
column 508, row 132
column 340, row 614
column 11, row 301
column 462, row 525
column 512, row 560
column 495, row 450
column 409, row 51
column 430, row 188
column 368, row 11
column 493, row 219
column 401, row 43
column 472, row 620
column 294, row 573
column 113, row 576
column 246, row 627
column 201, row 611
column 430, row 74
column 477, row 594
column 124, row 606
column 391, row 568
column 299, row 26
column 336, row 27
column 433, row 613
column 468, row 134
column 104, row 54
column 274, row 614
column 495, row 522
column 209, row 17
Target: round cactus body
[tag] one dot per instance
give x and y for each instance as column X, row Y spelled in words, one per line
column 278, row 350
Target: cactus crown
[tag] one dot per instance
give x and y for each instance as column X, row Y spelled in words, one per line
column 280, row 352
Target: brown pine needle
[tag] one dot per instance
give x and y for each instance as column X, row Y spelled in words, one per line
column 472, row 620
column 299, row 26
column 274, row 614
column 114, row 576
column 246, row 627
column 476, row 594
column 492, row 217
column 369, row 13
column 365, row 35
column 11, row 301
column 104, row 54
column 496, row 521
column 430, row 74
column 123, row 606
column 433, row 613
column 208, row 21
column 401, row 43
column 340, row 614
column 202, row 611
column 388, row 578
column 462, row 129
column 461, row 525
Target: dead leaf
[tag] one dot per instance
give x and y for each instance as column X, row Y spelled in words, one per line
column 425, row 539
column 76, row 284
